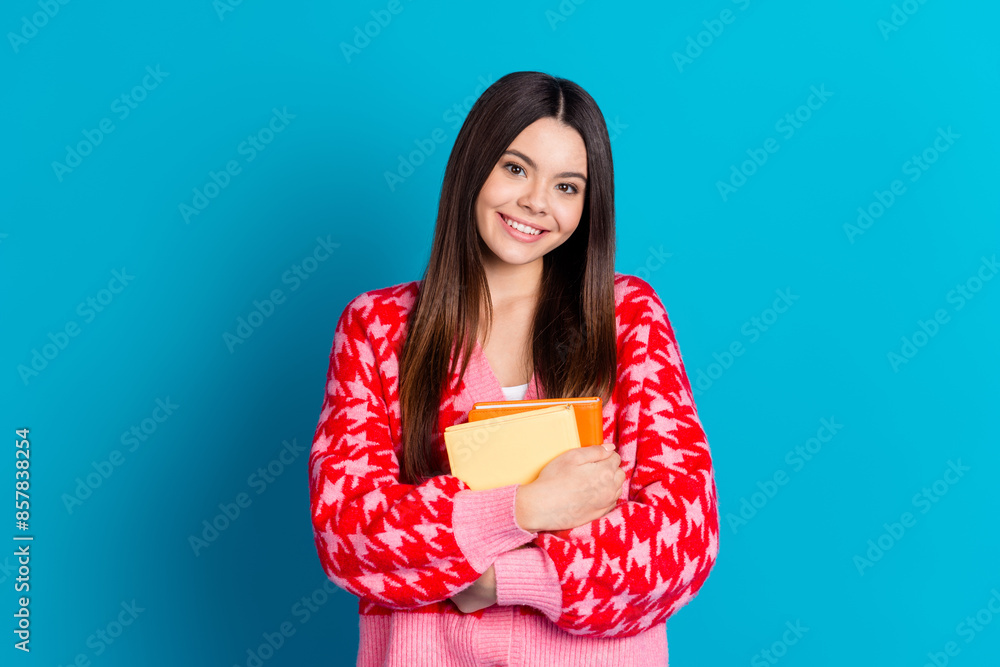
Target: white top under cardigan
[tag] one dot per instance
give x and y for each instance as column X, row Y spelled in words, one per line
column 515, row 393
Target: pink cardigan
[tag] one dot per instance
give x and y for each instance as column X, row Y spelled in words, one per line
column 599, row 594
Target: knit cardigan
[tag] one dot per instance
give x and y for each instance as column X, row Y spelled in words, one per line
column 596, row 594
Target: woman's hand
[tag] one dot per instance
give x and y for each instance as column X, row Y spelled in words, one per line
column 481, row 594
column 574, row 488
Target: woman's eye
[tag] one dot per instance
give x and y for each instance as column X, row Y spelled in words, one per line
column 517, row 170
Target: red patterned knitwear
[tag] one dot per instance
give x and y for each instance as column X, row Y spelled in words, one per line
column 598, row 594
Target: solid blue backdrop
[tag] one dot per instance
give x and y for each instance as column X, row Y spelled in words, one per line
column 193, row 191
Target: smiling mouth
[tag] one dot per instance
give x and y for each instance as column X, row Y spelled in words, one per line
column 524, row 229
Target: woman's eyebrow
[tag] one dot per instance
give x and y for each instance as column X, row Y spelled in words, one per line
column 531, row 163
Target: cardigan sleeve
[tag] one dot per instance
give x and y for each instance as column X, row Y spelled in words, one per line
column 638, row 564
column 400, row 545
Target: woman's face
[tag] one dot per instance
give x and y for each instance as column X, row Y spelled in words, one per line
column 533, row 199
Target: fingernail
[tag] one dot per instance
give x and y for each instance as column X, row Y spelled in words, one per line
column 608, row 446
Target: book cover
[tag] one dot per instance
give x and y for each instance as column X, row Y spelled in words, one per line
column 509, row 449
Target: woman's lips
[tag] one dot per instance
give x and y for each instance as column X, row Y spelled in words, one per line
column 519, row 235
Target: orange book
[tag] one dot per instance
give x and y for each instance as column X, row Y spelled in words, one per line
column 589, row 420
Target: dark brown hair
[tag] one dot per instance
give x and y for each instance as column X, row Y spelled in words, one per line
column 573, row 340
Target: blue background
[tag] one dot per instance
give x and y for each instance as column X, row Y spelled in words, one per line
column 717, row 261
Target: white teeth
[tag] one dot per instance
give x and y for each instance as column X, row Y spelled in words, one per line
column 521, row 228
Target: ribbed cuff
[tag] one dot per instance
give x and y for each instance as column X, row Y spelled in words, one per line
column 485, row 525
column 528, row 577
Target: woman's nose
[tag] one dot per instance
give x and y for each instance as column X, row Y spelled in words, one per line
column 534, row 197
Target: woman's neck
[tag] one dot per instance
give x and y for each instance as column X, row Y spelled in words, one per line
column 512, row 283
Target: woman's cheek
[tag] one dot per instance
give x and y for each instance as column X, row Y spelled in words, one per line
column 569, row 218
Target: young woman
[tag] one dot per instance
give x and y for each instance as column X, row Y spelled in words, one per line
column 519, row 300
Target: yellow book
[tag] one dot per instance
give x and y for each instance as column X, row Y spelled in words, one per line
column 511, row 449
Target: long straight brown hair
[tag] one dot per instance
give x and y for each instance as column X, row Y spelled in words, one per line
column 573, row 341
